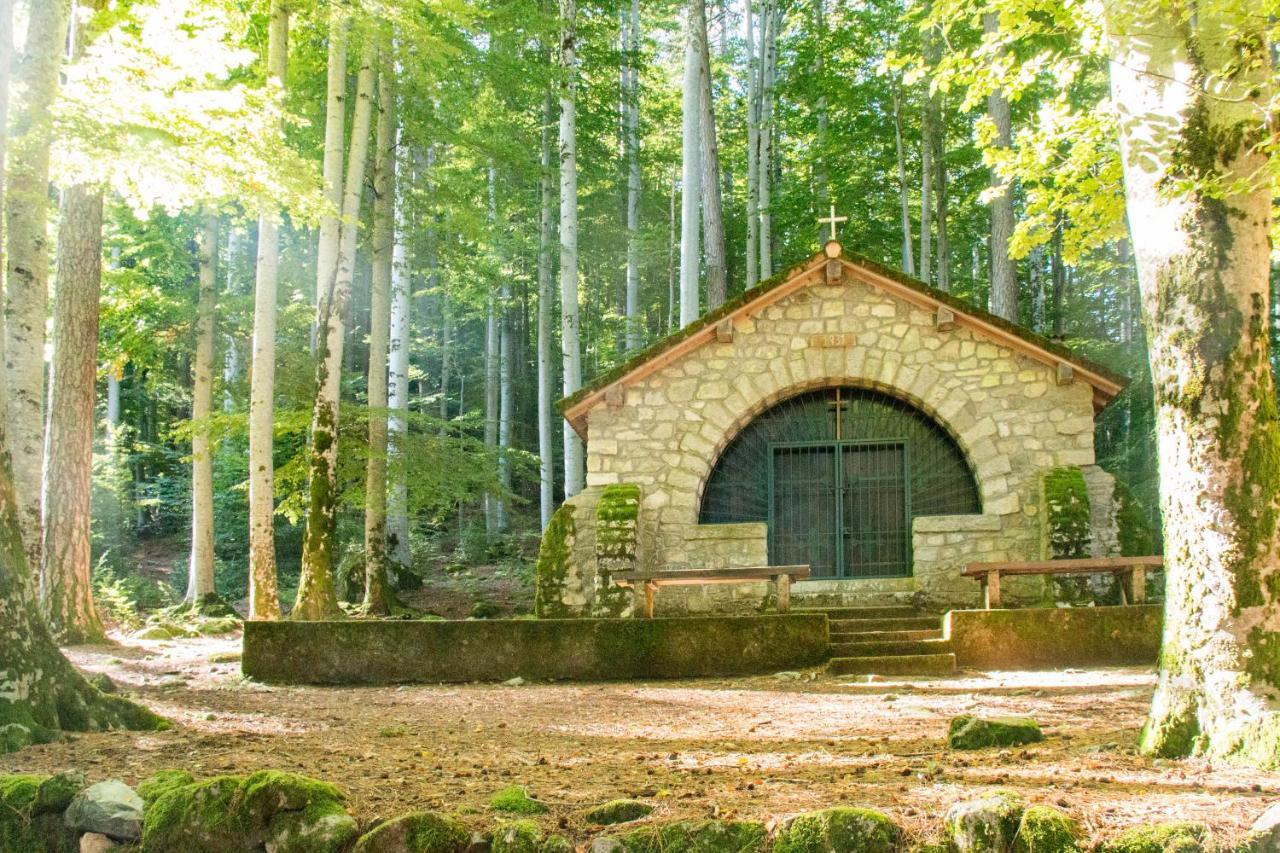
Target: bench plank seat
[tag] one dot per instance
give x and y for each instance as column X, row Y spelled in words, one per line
column 781, row 576
column 1130, row 571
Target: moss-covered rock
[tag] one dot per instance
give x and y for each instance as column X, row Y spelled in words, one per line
column 158, row 783
column 31, row 815
column 618, row 811
column 514, row 799
column 1047, row 830
column 1182, row 836
column 525, row 836
column 970, row 732
column 986, row 824
column 839, row 830
column 283, row 812
column 704, row 836
column 57, row 791
column 555, row 554
column 417, row 832
column 16, row 736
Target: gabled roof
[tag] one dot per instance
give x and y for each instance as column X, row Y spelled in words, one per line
column 1106, row 383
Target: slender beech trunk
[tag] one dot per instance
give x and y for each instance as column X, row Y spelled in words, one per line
column 753, row 151
column 764, row 138
column 68, row 459
column 1004, row 280
column 398, row 534
column 491, row 376
column 709, row 152
column 569, row 347
column 506, row 400
column 264, row 599
column 821, row 177
column 334, row 129
column 27, row 277
column 691, row 164
column 926, row 192
column 671, row 259
column 1203, row 267
column 634, row 337
column 1058, row 280
column 446, row 355
column 1035, row 263
column 546, row 300
column 941, row 246
column 6, row 66
column 908, row 260
column 316, row 595
column 377, row 594
column 200, row 568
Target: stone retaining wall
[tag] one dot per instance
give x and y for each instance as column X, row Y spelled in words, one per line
column 1057, row 637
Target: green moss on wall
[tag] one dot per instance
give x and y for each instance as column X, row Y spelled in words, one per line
column 1066, row 500
column 617, row 546
column 554, row 555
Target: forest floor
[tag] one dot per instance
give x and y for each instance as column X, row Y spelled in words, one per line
column 760, row 748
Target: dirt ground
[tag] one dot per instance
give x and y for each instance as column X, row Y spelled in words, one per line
column 760, row 748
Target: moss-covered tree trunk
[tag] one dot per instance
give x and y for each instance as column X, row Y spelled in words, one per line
column 317, row 598
column 67, row 594
column 1189, row 91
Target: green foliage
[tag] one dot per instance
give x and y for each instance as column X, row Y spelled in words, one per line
column 1137, row 539
column 126, row 599
column 1067, row 512
column 514, row 799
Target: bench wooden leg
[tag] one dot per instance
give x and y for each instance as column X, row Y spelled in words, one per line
column 1138, row 585
column 991, row 591
column 650, row 591
column 782, row 585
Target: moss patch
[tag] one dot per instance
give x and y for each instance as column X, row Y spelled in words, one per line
column 525, row 836
column 705, row 836
column 839, row 830
column 969, row 732
column 617, row 546
column 1047, row 830
column 554, row 554
column 514, row 799
column 618, row 811
column 1067, row 514
column 1176, row 837
column 31, row 814
column 283, row 812
column 417, row 832
column 984, row 824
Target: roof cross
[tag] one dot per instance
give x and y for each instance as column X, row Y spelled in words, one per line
column 832, row 220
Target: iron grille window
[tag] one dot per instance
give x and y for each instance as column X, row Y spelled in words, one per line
column 838, row 475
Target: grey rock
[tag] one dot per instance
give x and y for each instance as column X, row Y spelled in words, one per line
column 605, row 844
column 514, row 682
column 111, row 808
column 986, row 824
column 96, row 842
column 1264, row 835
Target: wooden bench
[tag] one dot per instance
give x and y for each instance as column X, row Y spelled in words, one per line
column 781, row 576
column 1130, row 571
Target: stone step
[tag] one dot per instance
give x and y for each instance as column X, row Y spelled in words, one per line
column 892, row 612
column 905, row 623
column 885, row 636
column 944, row 664
column 883, row 648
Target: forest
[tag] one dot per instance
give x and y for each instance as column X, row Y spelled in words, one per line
column 300, row 295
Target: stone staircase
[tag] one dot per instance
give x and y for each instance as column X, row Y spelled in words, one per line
column 886, row 641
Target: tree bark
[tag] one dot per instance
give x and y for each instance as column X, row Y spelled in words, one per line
column 634, row 337
column 398, row 532
column 671, row 259
column 546, row 228
column 712, row 206
column 491, row 375
column 335, row 118
column 66, row 586
column 764, row 136
column 6, row 66
column 1035, row 263
column 691, row 164
column 753, row 151
column 27, row 276
column 941, row 247
column 821, row 177
column 264, row 599
column 377, row 595
column 1003, row 300
column 908, row 261
column 1203, row 268
column 317, row 598
column 200, row 569
column 569, row 346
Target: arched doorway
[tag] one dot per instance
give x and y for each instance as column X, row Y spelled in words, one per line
column 838, row 475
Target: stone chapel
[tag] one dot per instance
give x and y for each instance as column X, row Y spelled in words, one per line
column 840, row 415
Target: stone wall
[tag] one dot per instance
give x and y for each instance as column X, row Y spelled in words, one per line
column 1055, row 637
column 1011, row 415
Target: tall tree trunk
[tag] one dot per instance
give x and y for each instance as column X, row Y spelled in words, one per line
column 264, row 599
column 27, row 276
column 940, row 191
column 491, row 373
column 821, row 177
column 764, row 137
column 546, row 300
column 691, row 164
column 506, row 401
column 1004, row 278
column 68, row 592
column 334, row 130
column 633, row 334
column 1035, row 263
column 446, row 354
column 753, row 151
column 709, row 153
column 671, row 259
column 200, row 569
column 570, row 350
column 316, row 595
column 908, row 260
column 398, row 532
column 1058, row 279
column 377, row 595
column 1203, row 267
column 926, row 192
column 6, row 66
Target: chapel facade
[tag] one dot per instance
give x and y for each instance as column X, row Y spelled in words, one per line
column 840, row 415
